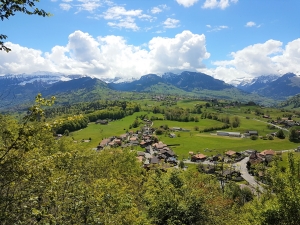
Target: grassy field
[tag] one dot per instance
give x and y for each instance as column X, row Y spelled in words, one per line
column 188, row 125
column 98, row 132
column 189, row 103
column 212, row 144
column 193, row 140
column 251, row 124
column 189, row 141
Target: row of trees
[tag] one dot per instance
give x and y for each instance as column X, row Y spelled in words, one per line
column 73, row 123
column 77, row 122
column 90, row 107
column 179, row 114
column 208, row 129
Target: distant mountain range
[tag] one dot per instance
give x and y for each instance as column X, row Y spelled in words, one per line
column 187, row 81
column 252, row 85
column 16, row 89
column 274, row 87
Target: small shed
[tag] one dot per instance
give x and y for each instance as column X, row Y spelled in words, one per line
column 172, row 135
column 253, row 132
column 230, row 153
column 197, row 157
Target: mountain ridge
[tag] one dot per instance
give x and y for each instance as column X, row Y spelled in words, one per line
column 24, row 87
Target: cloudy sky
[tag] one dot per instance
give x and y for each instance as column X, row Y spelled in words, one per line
column 228, row 39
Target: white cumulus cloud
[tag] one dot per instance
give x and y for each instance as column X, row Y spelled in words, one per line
column 118, row 12
column 216, row 28
column 250, row 24
column 110, row 56
column 222, row 4
column 127, row 23
column 22, row 60
column 119, row 17
column 65, row 6
column 88, row 5
column 184, row 52
column 159, row 9
column 187, row 3
column 260, row 59
column 171, row 23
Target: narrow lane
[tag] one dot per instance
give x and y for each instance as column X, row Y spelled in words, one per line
column 242, row 167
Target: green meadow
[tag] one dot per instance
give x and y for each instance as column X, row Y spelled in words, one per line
column 98, row 132
column 188, row 103
column 188, row 125
column 206, row 143
column 212, row 144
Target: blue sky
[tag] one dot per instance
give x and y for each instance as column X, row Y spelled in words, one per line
column 228, row 39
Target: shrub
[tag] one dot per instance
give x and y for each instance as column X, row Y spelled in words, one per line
column 280, row 134
column 159, row 132
column 270, row 137
column 254, row 137
column 181, row 164
column 67, row 133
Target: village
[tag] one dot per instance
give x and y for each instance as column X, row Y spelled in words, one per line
column 230, row 166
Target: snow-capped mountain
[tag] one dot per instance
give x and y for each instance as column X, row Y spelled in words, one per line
column 40, row 77
column 252, row 84
column 118, row 80
column 241, row 81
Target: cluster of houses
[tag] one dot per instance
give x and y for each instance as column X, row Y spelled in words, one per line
column 286, row 122
column 212, row 168
column 260, row 157
column 142, row 138
column 229, row 155
column 230, row 172
column 155, row 153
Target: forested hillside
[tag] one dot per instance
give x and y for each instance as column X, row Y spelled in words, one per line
column 45, row 180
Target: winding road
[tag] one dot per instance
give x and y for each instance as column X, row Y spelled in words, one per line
column 242, row 166
column 279, row 127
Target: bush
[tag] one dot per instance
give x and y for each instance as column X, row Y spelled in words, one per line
column 159, row 132
column 254, row 137
column 67, row 133
column 181, row 164
column 271, row 137
column 280, row 134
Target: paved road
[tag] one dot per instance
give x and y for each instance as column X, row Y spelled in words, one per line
column 272, row 125
column 242, row 166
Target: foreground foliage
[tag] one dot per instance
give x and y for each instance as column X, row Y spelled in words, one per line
column 44, row 180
